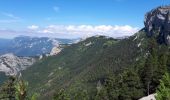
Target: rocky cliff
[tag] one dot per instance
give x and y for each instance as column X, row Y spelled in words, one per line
column 11, row 64
column 157, row 23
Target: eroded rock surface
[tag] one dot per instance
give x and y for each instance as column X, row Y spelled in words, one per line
column 157, row 23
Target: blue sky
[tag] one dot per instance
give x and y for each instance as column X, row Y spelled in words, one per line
column 19, row 15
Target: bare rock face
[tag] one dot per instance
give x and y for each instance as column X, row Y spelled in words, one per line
column 157, row 23
column 55, row 50
column 12, row 65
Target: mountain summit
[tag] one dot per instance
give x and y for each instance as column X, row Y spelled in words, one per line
column 157, row 22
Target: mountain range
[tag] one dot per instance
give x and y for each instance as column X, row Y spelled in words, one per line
column 100, row 67
column 88, row 63
column 31, row 46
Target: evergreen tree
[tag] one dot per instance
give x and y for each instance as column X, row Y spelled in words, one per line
column 163, row 91
column 8, row 90
column 61, row 95
column 21, row 91
column 113, row 88
column 148, row 73
column 102, row 95
column 125, row 86
column 14, row 89
column 168, row 62
column 130, row 87
column 162, row 68
column 150, row 70
column 81, row 95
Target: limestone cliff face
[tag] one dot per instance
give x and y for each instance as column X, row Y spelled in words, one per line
column 157, row 23
column 12, row 65
column 55, row 50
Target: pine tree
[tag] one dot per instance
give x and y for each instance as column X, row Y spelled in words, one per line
column 61, row 95
column 149, row 74
column 130, row 87
column 21, row 91
column 168, row 62
column 163, row 91
column 8, row 90
column 162, row 68
column 102, row 95
column 14, row 89
column 81, row 95
column 112, row 86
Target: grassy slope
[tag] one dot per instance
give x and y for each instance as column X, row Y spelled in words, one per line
column 83, row 66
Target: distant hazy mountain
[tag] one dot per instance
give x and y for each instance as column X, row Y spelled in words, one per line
column 30, row 46
column 4, row 43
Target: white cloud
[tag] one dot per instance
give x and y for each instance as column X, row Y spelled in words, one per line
column 89, row 30
column 33, row 27
column 56, row 9
column 74, row 31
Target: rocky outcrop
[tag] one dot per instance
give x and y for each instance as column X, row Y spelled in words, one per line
column 157, row 23
column 55, row 50
column 12, row 65
column 149, row 97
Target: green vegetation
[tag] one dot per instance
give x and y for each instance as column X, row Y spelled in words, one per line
column 81, row 65
column 15, row 89
column 100, row 68
column 61, row 95
column 7, row 91
column 163, row 91
column 139, row 80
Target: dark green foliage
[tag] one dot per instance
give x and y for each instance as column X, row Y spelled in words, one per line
column 61, row 95
column 131, row 87
column 7, row 91
column 81, row 95
column 34, row 96
column 21, row 90
column 113, row 87
column 82, row 63
column 124, row 69
column 147, row 74
column 155, row 66
column 15, row 89
column 102, row 95
column 163, row 91
column 168, row 63
column 126, row 86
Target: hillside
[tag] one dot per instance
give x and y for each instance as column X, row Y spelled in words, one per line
column 84, row 64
